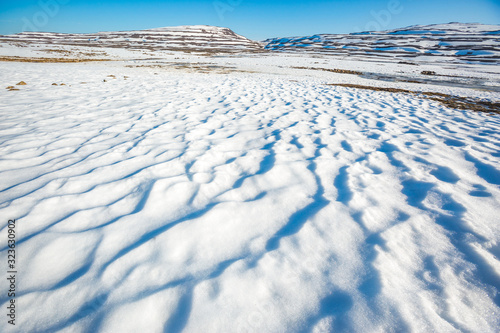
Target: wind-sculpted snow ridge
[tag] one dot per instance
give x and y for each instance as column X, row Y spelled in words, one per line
column 452, row 42
column 245, row 203
column 196, row 38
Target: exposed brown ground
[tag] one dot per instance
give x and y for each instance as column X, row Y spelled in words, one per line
column 454, row 102
column 51, row 60
column 335, row 70
column 204, row 68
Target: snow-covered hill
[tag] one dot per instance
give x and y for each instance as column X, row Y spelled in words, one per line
column 181, row 38
column 456, row 42
column 442, row 42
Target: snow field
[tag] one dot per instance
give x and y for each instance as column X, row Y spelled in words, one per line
column 245, row 203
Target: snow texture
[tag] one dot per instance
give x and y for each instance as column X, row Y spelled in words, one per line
column 162, row 200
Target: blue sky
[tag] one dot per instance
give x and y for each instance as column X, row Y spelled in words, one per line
column 255, row 19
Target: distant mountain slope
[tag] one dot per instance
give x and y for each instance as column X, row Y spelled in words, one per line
column 450, row 42
column 453, row 41
column 181, row 38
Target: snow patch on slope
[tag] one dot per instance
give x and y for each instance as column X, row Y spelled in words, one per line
column 453, row 42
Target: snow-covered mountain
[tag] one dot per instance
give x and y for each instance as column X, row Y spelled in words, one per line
column 441, row 42
column 453, row 41
column 180, row 38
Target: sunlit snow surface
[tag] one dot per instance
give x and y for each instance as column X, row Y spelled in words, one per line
column 244, row 203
